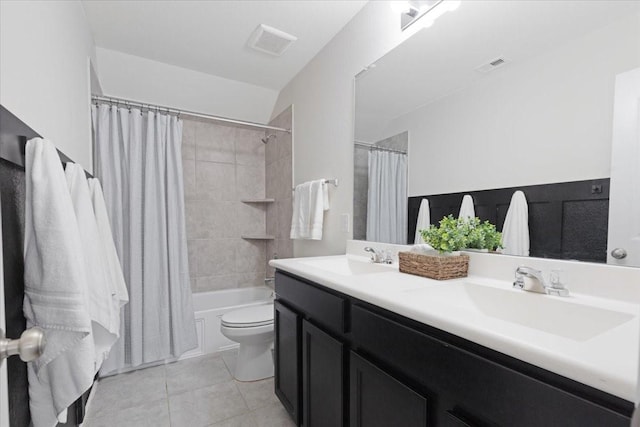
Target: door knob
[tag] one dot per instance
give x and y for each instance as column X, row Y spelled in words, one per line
column 619, row 253
column 29, row 346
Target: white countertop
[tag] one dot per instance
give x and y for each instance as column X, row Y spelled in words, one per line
column 605, row 359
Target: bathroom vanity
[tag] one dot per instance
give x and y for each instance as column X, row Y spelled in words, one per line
column 359, row 344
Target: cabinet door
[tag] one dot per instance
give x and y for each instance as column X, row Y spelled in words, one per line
column 322, row 378
column 287, row 359
column 379, row 400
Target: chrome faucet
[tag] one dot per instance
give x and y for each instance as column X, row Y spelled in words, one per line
column 379, row 256
column 540, row 285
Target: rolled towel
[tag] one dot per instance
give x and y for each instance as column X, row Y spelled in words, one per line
column 55, row 287
column 467, row 210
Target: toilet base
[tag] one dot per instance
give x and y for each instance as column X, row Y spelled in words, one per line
column 255, row 362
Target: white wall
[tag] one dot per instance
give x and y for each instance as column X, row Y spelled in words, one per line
column 145, row 80
column 322, row 94
column 45, row 48
column 547, row 119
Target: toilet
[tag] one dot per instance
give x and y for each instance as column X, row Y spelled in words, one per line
column 252, row 328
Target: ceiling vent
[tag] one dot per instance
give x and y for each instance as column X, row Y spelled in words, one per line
column 270, row 40
column 491, row 65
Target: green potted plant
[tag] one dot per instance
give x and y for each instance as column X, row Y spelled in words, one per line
column 481, row 236
column 450, row 236
column 447, row 238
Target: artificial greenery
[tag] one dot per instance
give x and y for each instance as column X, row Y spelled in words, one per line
column 454, row 234
column 482, row 235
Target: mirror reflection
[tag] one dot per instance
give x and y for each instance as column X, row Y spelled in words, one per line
column 497, row 98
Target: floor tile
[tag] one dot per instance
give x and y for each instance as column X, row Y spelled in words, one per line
column 230, row 357
column 128, row 390
column 196, row 373
column 273, row 416
column 258, row 394
column 151, row 414
column 245, row 420
column 204, row 406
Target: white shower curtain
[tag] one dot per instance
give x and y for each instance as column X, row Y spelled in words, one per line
column 387, row 202
column 138, row 160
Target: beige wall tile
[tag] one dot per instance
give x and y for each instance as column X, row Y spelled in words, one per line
column 208, row 219
column 250, row 256
column 189, row 178
column 216, row 283
column 215, row 257
column 250, row 181
column 285, row 210
column 248, row 280
column 189, row 139
column 215, row 143
column 215, row 181
column 250, row 150
column 250, row 218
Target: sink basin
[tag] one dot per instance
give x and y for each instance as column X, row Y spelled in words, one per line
column 554, row 315
column 347, row 266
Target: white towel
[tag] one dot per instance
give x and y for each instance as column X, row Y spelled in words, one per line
column 310, row 200
column 100, row 295
column 111, row 256
column 55, row 285
column 515, row 232
column 423, row 222
column 467, row 210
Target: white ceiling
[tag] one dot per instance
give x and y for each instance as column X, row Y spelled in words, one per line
column 442, row 59
column 211, row 36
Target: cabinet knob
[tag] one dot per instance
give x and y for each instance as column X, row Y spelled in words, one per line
column 29, row 346
column 619, row 253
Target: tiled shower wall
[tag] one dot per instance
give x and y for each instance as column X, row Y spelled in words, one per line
column 279, row 183
column 223, row 165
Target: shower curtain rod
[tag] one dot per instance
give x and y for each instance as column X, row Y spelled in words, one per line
column 131, row 103
column 375, row 147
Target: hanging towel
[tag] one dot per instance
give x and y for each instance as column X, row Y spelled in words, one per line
column 114, row 268
column 99, row 295
column 55, row 286
column 423, row 222
column 467, row 210
column 515, row 232
column 310, row 200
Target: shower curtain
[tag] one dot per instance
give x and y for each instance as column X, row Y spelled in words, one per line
column 138, row 160
column 387, row 197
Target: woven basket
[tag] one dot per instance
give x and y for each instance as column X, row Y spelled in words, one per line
column 434, row 266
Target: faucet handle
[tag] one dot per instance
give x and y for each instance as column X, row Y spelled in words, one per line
column 556, row 283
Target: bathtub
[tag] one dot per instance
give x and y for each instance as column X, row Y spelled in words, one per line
column 209, row 308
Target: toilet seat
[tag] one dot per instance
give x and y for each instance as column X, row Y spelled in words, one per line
column 250, row 317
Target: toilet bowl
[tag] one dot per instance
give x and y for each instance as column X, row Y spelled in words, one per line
column 252, row 328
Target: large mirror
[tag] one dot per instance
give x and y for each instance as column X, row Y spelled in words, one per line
column 495, row 97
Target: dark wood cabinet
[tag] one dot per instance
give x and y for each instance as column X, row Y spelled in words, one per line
column 287, row 359
column 323, row 378
column 379, row 400
column 343, row 362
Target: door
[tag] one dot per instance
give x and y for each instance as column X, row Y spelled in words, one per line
column 323, row 378
column 623, row 246
column 379, row 400
column 287, row 359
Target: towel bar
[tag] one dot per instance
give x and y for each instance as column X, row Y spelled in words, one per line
column 333, row 182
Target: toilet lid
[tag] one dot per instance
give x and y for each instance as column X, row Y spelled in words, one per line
column 258, row 315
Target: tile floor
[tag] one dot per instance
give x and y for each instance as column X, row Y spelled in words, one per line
column 195, row 392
